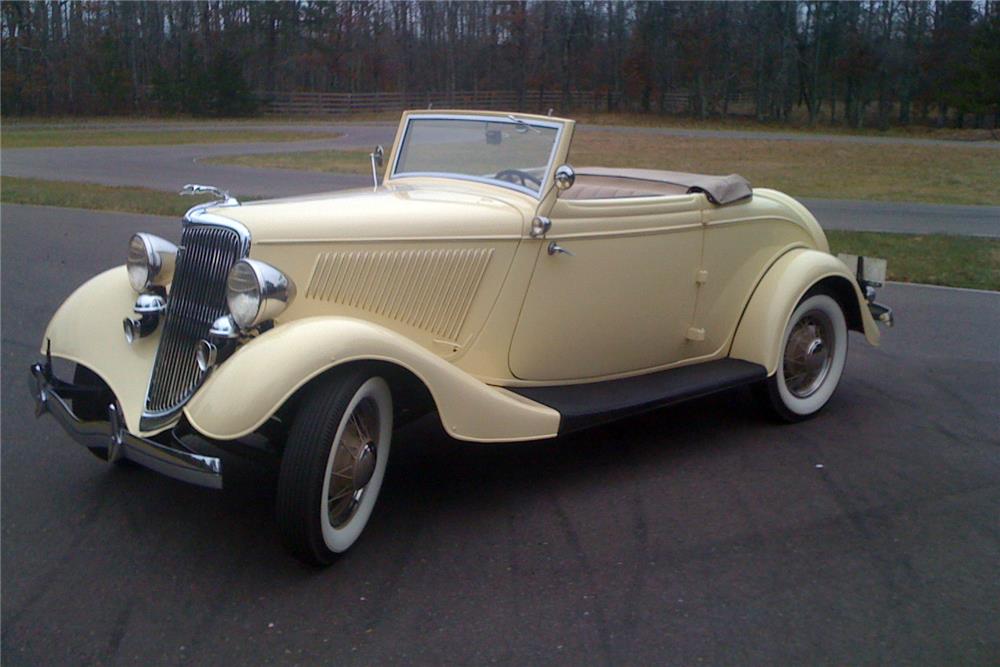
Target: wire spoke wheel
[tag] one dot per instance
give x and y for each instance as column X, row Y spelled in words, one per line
column 813, row 354
column 808, row 354
column 355, row 457
column 334, row 463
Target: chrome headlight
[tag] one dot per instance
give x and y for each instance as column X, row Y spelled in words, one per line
column 150, row 261
column 257, row 292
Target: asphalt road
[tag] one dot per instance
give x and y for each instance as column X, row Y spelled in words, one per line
column 170, row 167
column 871, row 216
column 695, row 534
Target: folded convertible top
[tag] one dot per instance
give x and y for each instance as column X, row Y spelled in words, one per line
column 719, row 189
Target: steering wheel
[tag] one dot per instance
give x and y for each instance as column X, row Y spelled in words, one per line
column 522, row 176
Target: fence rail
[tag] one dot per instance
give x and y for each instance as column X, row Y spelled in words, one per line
column 286, row 103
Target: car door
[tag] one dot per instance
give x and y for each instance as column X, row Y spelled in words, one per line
column 623, row 301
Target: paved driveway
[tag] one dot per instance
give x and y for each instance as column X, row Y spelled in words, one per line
column 697, row 534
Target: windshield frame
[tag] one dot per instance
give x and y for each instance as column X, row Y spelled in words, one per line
column 508, row 119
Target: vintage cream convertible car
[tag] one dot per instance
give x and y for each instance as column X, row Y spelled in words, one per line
column 483, row 279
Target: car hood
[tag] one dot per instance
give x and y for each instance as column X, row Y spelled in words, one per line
column 391, row 212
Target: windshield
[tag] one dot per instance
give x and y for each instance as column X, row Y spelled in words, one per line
column 503, row 151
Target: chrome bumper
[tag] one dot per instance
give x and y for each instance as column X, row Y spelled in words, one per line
column 111, row 441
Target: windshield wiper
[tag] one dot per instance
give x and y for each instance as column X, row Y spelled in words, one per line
column 523, row 124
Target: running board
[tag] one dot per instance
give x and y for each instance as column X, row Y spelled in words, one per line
column 585, row 405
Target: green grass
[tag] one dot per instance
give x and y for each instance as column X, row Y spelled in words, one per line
column 934, row 259
column 745, row 122
column 235, row 123
column 937, row 259
column 897, row 173
column 341, row 162
column 35, row 137
column 98, row 197
column 797, row 125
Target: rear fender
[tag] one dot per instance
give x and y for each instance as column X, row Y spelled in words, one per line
column 759, row 333
column 249, row 387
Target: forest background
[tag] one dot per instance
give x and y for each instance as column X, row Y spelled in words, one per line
column 853, row 64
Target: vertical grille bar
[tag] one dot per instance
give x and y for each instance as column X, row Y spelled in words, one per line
column 197, row 298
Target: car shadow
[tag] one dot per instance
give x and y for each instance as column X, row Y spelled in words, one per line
column 430, row 472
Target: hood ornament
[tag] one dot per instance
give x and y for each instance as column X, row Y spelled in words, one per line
column 223, row 198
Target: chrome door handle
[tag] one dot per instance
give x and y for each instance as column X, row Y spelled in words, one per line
column 556, row 248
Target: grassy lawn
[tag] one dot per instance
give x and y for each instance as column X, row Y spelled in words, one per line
column 26, row 122
column 800, row 125
column 930, row 174
column 97, row 197
column 904, row 173
column 956, row 261
column 36, row 137
column 934, row 259
column 340, row 162
column 741, row 123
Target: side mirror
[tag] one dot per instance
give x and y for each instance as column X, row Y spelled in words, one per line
column 565, row 177
column 378, row 157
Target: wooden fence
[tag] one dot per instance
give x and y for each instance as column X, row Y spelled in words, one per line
column 740, row 103
column 285, row 103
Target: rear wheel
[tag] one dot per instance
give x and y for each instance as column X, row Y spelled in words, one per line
column 333, row 465
column 814, row 352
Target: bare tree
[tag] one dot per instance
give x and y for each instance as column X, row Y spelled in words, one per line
column 872, row 61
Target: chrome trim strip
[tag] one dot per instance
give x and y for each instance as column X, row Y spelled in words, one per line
column 543, row 189
column 198, row 216
column 115, row 441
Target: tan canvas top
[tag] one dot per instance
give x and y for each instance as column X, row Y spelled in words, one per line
column 719, row 189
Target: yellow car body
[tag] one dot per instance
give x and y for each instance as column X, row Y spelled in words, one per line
column 451, row 281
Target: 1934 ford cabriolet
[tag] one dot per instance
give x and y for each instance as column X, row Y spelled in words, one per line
column 483, row 279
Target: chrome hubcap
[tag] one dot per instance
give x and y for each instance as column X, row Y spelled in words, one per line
column 364, row 467
column 808, row 354
column 354, row 462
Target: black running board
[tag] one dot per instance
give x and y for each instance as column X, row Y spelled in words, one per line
column 585, row 405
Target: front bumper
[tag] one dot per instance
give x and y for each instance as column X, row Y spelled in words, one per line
column 111, row 441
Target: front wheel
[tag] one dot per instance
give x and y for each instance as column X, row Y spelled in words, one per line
column 333, row 465
column 814, row 351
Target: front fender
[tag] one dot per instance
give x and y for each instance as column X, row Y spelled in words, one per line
column 242, row 393
column 759, row 333
column 87, row 330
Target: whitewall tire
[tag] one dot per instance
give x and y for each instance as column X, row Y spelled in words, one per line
column 813, row 355
column 334, row 463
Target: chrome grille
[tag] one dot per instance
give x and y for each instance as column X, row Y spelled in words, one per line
column 197, row 298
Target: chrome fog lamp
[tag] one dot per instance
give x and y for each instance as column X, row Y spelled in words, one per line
column 131, row 328
column 150, row 261
column 148, row 307
column 257, row 292
column 139, row 328
column 150, row 303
